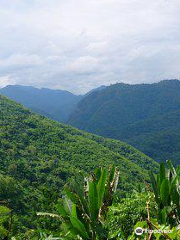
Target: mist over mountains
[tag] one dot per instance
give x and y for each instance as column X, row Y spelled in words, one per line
column 55, row 104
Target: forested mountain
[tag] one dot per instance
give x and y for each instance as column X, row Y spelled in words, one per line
column 95, row 90
column 38, row 156
column 144, row 115
column 55, row 104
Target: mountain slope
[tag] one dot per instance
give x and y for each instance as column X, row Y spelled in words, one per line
column 40, row 141
column 144, row 115
column 96, row 90
column 38, row 156
column 55, row 104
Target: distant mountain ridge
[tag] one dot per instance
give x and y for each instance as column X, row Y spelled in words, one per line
column 96, row 89
column 144, row 115
column 55, row 104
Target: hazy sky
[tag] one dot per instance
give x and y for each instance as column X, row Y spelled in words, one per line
column 80, row 44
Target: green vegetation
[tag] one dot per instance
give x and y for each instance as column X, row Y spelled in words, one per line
column 89, row 212
column 154, row 208
column 127, row 211
column 84, row 210
column 166, row 189
column 144, row 115
column 38, row 156
column 5, row 221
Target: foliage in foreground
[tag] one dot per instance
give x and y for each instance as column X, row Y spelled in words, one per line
column 83, row 217
column 162, row 207
column 39, row 156
column 166, row 188
column 89, row 211
column 84, row 209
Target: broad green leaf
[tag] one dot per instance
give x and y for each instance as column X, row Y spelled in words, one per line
column 154, row 186
column 164, row 192
column 61, row 210
column 73, row 212
column 97, row 173
column 101, row 186
column 81, row 195
column 170, row 166
column 162, row 172
column 78, row 225
column 175, row 197
column 67, row 204
column 93, row 201
column 71, row 195
column 163, row 216
column 174, row 234
column 178, row 170
column 174, row 182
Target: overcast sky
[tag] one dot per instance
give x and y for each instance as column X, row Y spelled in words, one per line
column 81, row 44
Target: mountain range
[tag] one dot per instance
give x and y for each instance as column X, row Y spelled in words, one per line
column 146, row 116
column 55, row 104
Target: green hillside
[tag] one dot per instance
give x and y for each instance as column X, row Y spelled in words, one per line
column 145, row 115
column 38, row 156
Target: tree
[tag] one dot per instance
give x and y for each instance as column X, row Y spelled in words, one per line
column 5, row 215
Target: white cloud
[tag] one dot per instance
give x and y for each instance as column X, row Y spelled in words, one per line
column 21, row 60
column 6, row 80
column 80, row 44
column 85, row 64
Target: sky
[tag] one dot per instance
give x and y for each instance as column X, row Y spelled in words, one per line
column 78, row 45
